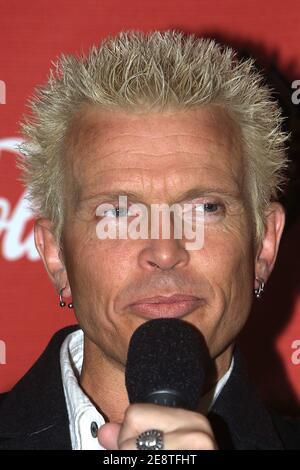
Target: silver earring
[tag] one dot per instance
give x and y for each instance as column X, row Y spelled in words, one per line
column 62, row 303
column 259, row 291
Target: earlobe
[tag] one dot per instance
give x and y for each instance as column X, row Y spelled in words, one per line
column 274, row 225
column 49, row 252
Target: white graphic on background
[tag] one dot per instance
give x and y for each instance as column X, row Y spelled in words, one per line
column 2, row 92
column 296, row 354
column 2, row 352
column 13, row 220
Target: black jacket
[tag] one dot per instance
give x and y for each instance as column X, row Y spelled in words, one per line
column 33, row 415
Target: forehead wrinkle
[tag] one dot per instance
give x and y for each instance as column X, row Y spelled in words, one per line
column 164, row 184
column 93, row 175
column 196, row 152
column 89, row 130
column 94, row 121
column 181, row 172
column 172, row 178
column 86, row 137
column 99, row 147
column 101, row 173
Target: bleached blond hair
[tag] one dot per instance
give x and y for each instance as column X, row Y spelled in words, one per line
column 153, row 71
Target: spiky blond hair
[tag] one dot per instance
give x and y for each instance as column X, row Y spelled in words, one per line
column 158, row 70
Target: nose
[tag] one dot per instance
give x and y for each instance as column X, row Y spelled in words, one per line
column 163, row 254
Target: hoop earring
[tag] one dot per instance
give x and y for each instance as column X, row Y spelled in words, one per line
column 62, row 303
column 260, row 289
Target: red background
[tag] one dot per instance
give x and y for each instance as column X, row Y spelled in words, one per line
column 32, row 34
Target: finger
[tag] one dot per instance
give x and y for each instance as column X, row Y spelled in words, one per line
column 141, row 417
column 108, row 436
column 179, row 440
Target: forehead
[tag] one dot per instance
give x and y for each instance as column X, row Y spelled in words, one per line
column 107, row 148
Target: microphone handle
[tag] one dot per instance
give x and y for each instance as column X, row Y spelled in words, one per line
column 167, row 397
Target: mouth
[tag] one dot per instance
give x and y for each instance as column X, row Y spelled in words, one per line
column 174, row 306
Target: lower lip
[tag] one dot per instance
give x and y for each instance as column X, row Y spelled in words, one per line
column 167, row 310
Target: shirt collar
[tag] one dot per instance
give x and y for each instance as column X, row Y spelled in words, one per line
column 83, row 415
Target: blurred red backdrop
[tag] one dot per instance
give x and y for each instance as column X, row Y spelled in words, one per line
column 32, row 35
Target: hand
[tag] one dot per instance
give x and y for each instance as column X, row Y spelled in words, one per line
column 183, row 430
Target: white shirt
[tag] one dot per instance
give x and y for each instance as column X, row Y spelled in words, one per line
column 83, row 415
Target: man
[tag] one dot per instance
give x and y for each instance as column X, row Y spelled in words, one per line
column 159, row 119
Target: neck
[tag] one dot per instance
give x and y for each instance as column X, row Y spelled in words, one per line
column 102, row 379
column 220, row 366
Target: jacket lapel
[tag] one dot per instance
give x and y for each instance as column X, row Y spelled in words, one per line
column 239, row 418
column 34, row 414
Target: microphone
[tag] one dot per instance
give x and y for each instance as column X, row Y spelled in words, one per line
column 166, row 364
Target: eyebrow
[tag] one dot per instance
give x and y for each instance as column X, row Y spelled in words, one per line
column 192, row 193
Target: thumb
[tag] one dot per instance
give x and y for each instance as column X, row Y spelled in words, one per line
column 108, row 436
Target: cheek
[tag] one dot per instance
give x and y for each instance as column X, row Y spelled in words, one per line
column 229, row 250
column 97, row 272
column 227, row 261
column 231, row 263
column 100, row 267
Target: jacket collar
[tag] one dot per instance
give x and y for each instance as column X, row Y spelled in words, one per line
column 239, row 416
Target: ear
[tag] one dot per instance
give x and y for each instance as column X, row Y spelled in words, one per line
column 49, row 251
column 267, row 253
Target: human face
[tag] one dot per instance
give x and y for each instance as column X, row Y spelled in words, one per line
column 158, row 157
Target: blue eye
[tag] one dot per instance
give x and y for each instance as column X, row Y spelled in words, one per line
column 117, row 212
column 211, row 207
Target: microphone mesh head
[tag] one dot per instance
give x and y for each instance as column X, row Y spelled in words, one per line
column 166, row 354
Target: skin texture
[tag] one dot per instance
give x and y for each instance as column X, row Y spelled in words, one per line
column 159, row 157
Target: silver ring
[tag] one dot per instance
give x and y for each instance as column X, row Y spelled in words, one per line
column 150, row 440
